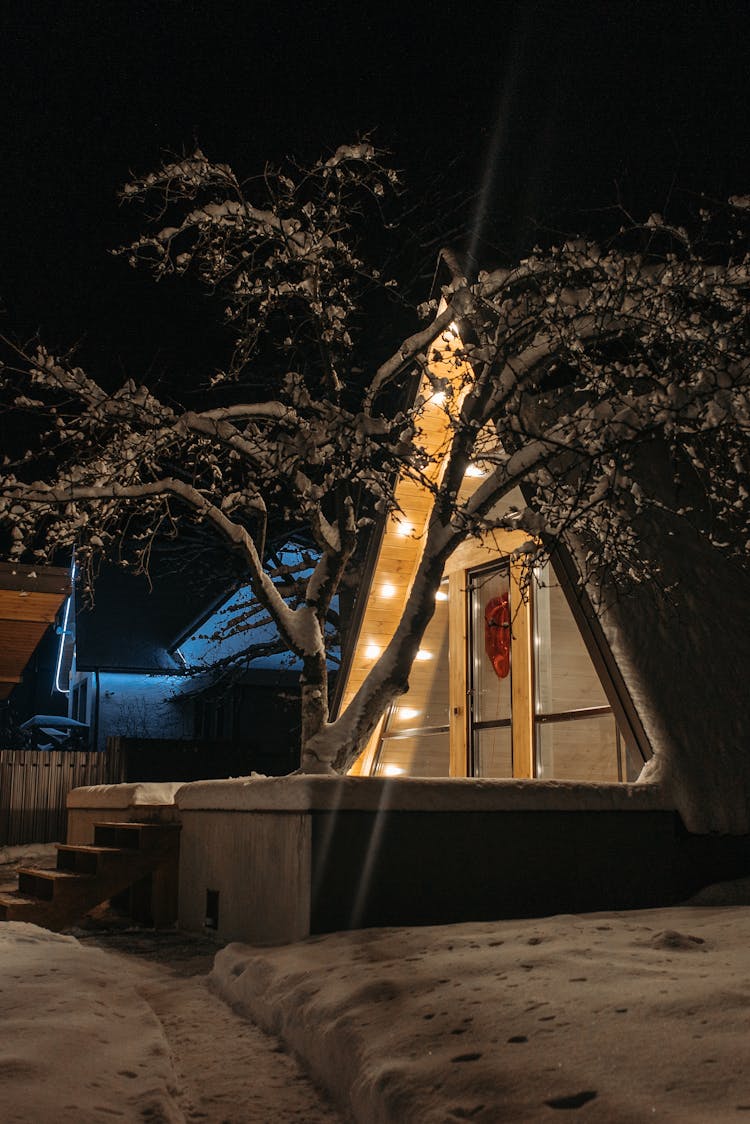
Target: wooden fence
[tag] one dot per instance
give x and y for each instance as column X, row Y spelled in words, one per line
column 35, row 783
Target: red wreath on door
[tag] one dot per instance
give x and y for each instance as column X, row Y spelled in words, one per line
column 497, row 634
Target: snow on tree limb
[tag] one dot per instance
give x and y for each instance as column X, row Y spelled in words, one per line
column 555, row 373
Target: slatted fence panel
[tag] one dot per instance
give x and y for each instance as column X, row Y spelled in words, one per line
column 34, row 785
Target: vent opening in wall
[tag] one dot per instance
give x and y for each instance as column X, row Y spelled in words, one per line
column 212, row 909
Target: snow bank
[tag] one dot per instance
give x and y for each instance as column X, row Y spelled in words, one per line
column 631, row 1016
column 308, row 793
column 78, row 1044
column 123, row 795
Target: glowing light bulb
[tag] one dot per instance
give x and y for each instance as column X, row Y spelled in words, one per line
column 372, row 651
column 441, row 595
column 475, row 470
column 387, row 590
column 423, row 654
column 438, row 399
column 404, row 528
column 407, row 713
column 392, row 771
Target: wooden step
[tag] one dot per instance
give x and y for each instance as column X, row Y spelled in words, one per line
column 133, row 835
column 87, row 858
column 18, row 907
column 44, row 884
column 124, row 856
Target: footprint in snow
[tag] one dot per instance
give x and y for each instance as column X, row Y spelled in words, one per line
column 575, row 1100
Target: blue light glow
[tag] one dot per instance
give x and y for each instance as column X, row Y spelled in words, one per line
column 64, row 633
column 232, row 628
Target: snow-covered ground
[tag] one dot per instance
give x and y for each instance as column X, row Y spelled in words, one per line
column 625, row 1017
column 621, row 1017
column 91, row 1035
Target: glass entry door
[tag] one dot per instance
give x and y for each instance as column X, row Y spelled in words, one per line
column 490, row 672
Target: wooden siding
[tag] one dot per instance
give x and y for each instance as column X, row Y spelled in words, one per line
column 34, row 785
column 459, row 719
column 402, row 543
column 399, row 556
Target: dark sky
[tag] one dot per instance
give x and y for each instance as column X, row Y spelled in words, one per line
column 538, row 109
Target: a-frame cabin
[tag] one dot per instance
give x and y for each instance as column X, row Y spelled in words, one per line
column 504, row 685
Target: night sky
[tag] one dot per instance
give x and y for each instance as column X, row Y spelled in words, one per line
column 535, row 112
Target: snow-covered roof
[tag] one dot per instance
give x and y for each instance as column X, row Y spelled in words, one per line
column 131, row 625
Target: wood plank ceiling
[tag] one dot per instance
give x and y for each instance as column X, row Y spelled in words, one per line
column 30, row 598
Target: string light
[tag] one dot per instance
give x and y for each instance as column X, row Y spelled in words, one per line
column 407, row 713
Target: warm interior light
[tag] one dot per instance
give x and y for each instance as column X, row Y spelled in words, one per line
column 441, row 595
column 372, row 651
column 404, row 528
column 438, row 399
column 407, row 712
column 475, row 470
column 423, row 654
column 392, row 771
column 387, row 590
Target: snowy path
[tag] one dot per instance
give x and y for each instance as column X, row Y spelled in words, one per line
column 228, row 1070
column 179, row 1055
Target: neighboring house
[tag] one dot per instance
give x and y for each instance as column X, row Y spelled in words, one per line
column 122, row 677
column 149, row 663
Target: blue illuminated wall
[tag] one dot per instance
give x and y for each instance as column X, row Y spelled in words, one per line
column 132, row 705
column 147, row 687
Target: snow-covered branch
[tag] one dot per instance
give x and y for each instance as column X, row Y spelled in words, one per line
column 556, row 373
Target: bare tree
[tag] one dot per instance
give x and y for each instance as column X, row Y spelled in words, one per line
column 557, row 374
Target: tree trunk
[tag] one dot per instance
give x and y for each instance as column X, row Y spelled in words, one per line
column 314, row 703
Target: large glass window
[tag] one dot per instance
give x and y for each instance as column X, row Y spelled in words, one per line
column 416, row 740
column 576, row 734
column 564, row 727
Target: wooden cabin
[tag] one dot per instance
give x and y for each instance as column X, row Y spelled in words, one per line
column 535, row 695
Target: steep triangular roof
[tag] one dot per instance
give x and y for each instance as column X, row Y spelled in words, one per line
column 396, row 551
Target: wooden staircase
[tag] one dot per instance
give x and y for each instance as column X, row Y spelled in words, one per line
column 138, row 857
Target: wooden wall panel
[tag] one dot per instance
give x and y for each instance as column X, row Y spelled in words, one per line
column 459, row 759
column 522, row 682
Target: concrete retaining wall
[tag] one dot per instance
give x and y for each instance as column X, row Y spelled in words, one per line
column 269, row 861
